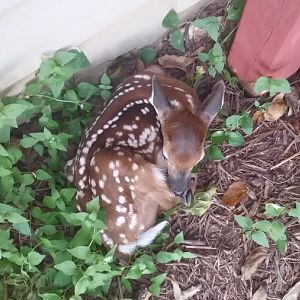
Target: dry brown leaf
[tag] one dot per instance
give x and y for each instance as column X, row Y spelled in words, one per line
column 156, row 69
column 276, row 109
column 260, row 294
column 184, row 295
column 235, row 193
column 258, row 116
column 253, row 260
column 293, row 293
column 173, row 61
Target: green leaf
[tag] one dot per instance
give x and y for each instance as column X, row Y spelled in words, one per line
column 277, row 231
column 177, row 40
column 188, row 255
column 4, row 133
column 203, row 56
column 46, row 69
column 87, row 90
column 201, row 202
column 156, row 282
column 93, row 205
column 22, row 227
column 179, row 238
column 4, row 172
column 70, row 95
column 171, row 19
column 82, row 237
column 215, row 153
column 273, row 210
column 282, row 244
column 246, row 123
column 147, row 55
column 235, row 139
column 5, row 242
column 105, row 79
column 13, row 217
column 235, row 10
column 263, row 225
column 219, row 137
column 260, row 238
column 81, row 252
column 134, row 273
column 273, row 86
column 81, row 286
column 212, row 71
column 166, row 257
column 233, row 122
column 210, row 24
column 35, row 258
column 63, row 57
column 12, row 111
column 42, row 175
column 56, row 85
column 105, row 94
column 244, row 222
column 68, row 194
column 50, row 296
column 67, row 267
column 217, row 50
column 295, row 212
column 49, row 201
column 28, row 142
column 33, row 89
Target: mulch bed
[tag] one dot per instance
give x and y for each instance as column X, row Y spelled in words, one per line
column 271, row 176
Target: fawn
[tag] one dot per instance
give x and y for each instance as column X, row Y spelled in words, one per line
column 138, row 154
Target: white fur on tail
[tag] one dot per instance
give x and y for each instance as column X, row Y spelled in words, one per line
column 145, row 239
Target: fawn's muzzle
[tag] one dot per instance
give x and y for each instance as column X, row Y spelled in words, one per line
column 179, row 185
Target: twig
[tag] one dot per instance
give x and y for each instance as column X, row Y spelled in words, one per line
column 285, row 161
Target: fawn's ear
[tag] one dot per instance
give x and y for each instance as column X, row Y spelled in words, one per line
column 159, row 99
column 213, row 102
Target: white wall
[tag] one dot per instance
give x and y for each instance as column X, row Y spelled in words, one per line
column 32, row 29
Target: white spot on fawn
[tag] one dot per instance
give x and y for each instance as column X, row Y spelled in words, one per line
column 135, row 166
column 111, row 165
column 105, row 199
column 101, row 184
column 122, row 199
column 120, row 220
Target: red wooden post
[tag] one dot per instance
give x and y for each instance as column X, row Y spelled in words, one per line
column 267, row 42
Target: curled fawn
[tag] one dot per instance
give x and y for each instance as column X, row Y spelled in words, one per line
column 138, row 154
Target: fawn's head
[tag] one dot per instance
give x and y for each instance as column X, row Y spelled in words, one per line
column 184, row 132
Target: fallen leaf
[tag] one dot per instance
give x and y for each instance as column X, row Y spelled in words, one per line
column 156, row 69
column 173, row 61
column 235, row 193
column 276, row 109
column 293, row 293
column 253, row 260
column 184, row 295
column 258, row 116
column 260, row 294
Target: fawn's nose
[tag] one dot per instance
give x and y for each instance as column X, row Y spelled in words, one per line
column 186, row 196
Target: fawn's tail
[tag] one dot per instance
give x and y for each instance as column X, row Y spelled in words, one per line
column 145, row 239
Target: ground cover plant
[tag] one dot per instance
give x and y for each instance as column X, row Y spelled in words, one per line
column 248, row 182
